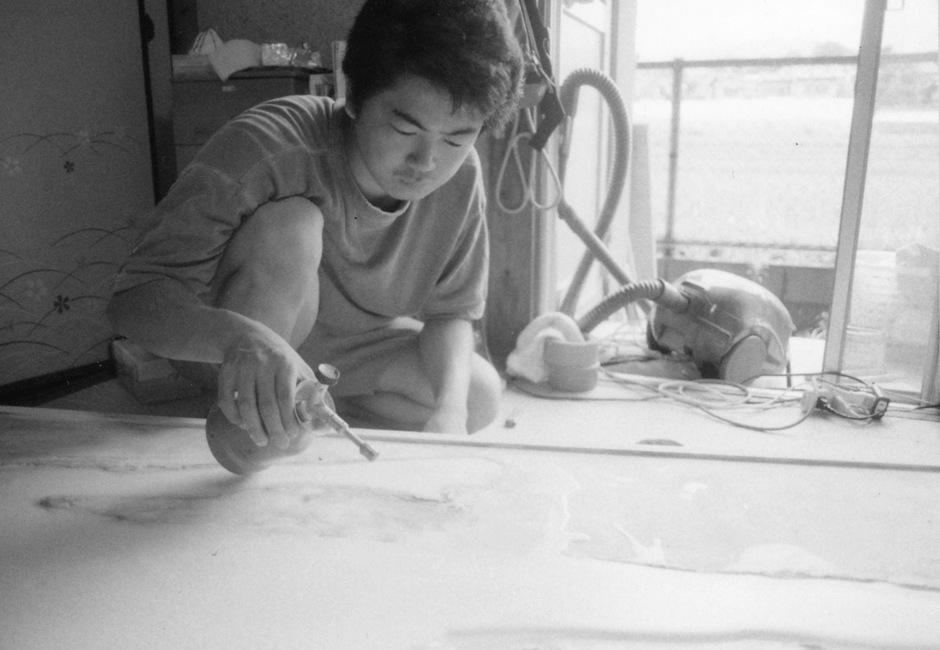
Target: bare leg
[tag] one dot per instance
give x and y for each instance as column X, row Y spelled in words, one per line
column 404, row 396
column 269, row 269
column 269, row 273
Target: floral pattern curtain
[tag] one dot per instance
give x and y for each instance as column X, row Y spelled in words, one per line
column 75, row 173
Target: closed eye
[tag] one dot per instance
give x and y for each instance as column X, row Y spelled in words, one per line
column 452, row 143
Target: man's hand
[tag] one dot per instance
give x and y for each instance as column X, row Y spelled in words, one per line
column 259, row 370
column 257, row 384
column 446, row 348
column 447, row 420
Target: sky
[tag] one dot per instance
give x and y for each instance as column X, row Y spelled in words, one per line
column 744, row 28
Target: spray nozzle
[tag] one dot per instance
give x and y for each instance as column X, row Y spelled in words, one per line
column 309, row 405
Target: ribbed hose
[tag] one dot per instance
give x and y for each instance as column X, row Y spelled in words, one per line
column 659, row 291
column 568, row 95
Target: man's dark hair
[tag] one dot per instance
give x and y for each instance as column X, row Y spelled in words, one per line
column 465, row 47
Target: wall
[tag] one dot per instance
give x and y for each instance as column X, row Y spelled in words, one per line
column 75, row 171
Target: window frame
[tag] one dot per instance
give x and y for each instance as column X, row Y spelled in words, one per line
column 623, row 64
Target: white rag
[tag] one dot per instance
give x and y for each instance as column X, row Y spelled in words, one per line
column 233, row 56
column 527, row 360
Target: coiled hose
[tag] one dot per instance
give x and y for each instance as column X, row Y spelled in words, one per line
column 659, row 291
column 568, row 95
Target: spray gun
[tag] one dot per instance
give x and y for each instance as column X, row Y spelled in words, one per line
column 234, row 449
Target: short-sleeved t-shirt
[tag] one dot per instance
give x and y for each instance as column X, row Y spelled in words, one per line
column 426, row 260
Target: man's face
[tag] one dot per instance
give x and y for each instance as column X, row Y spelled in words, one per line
column 407, row 141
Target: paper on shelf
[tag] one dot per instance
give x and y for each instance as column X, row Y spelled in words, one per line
column 233, row 56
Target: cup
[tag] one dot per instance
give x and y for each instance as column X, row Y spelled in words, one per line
column 572, row 365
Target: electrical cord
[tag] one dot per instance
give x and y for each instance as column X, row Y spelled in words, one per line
column 860, row 401
column 864, row 403
column 714, row 395
column 920, row 404
column 710, row 393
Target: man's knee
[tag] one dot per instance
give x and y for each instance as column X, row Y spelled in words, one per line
column 486, row 389
column 289, row 231
column 269, row 269
column 281, row 242
column 405, row 377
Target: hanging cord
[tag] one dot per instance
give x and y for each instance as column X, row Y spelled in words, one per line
column 527, row 182
column 543, row 102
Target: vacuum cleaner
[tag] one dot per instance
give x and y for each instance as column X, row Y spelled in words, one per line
column 731, row 327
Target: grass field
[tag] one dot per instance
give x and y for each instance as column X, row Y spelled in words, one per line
column 771, row 171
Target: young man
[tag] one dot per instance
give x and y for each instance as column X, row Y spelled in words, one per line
column 310, row 231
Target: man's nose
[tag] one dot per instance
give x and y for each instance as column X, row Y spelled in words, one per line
column 421, row 158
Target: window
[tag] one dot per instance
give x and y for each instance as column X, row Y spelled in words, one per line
column 759, row 154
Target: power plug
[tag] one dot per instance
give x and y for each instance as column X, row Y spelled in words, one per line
column 809, row 400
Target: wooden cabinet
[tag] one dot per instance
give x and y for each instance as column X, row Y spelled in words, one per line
column 203, row 104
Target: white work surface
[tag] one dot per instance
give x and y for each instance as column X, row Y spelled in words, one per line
column 122, row 532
